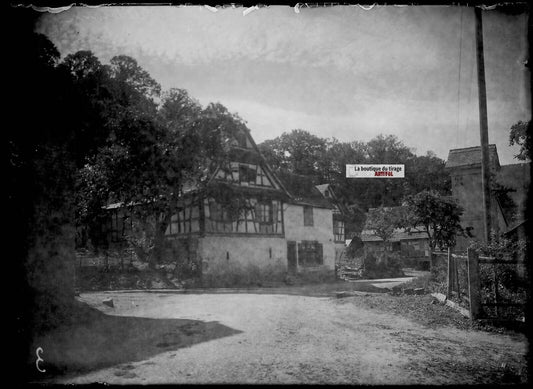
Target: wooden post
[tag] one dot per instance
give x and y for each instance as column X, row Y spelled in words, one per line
column 456, row 275
column 483, row 124
column 450, row 278
column 496, row 292
column 473, row 283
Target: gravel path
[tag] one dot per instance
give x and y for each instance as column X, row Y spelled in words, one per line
column 267, row 338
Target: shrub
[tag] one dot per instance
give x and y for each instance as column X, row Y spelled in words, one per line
column 386, row 264
column 369, row 261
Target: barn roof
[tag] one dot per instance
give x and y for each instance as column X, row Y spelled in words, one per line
column 398, row 235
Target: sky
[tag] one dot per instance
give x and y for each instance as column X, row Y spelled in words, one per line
column 340, row 71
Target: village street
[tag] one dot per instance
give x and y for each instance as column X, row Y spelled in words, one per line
column 160, row 338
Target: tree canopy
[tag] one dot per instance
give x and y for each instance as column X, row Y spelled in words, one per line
column 383, row 221
column 439, row 215
column 151, row 151
column 520, row 134
column 300, row 152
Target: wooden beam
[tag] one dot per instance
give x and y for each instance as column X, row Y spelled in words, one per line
column 474, row 295
column 450, row 272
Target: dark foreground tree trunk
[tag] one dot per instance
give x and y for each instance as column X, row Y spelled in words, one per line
column 43, row 241
column 50, row 257
column 50, row 267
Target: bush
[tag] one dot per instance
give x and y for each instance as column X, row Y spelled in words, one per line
column 369, row 261
column 385, row 265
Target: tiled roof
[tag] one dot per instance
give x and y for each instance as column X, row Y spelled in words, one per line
column 303, row 190
column 471, row 156
column 331, row 194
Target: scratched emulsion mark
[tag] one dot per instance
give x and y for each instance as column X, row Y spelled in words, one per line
column 39, row 359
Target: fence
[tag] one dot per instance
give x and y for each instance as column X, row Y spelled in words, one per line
column 489, row 287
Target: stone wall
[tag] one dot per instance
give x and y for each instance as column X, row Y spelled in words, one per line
column 259, row 250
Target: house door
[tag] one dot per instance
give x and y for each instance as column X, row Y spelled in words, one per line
column 291, row 257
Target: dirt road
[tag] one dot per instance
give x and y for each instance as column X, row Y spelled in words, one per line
column 264, row 338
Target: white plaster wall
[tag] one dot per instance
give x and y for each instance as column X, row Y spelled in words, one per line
column 243, row 249
column 321, row 231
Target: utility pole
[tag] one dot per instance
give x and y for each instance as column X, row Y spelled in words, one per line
column 483, row 126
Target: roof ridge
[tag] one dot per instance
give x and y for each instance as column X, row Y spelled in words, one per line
column 471, row 148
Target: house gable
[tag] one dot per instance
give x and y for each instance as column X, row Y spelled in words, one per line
column 243, row 196
column 247, row 167
column 245, row 174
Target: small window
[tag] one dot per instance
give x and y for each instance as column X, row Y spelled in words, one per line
column 338, row 230
column 308, row 216
column 247, row 174
column 263, row 213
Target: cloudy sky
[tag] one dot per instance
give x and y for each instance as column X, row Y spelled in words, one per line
column 339, row 72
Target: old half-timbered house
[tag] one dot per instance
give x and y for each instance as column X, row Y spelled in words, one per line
column 237, row 216
column 247, row 214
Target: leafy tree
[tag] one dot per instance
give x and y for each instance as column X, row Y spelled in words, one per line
column 439, row 215
column 147, row 162
column 426, row 172
column 339, row 154
column 326, row 160
column 521, row 135
column 383, row 221
column 387, row 149
column 133, row 86
column 297, row 152
column 91, row 100
column 178, row 110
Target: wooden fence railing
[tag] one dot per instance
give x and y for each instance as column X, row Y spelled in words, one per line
column 473, row 288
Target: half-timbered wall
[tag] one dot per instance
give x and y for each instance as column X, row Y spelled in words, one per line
column 244, row 174
column 186, row 220
column 118, row 225
column 264, row 217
